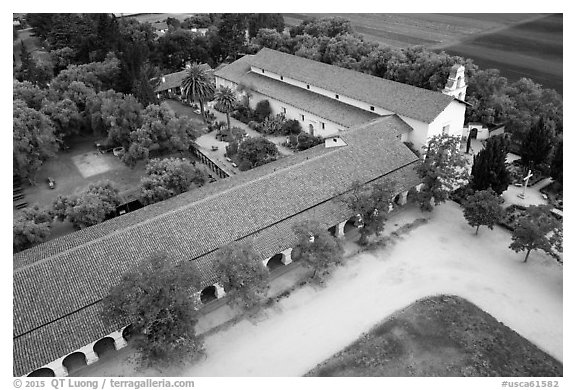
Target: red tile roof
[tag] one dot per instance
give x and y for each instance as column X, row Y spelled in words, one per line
column 58, row 284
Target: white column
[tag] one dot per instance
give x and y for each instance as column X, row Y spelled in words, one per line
column 419, row 187
column 57, row 367
column 119, row 341
column 287, row 258
column 390, row 206
column 265, row 261
column 219, row 291
column 403, row 198
column 91, row 356
column 340, row 229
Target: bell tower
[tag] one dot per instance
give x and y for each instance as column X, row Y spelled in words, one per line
column 456, row 84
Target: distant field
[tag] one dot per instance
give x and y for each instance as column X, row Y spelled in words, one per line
column 532, row 49
column 519, row 45
column 152, row 18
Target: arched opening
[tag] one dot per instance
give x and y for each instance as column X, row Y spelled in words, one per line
column 42, row 372
column 332, row 230
column 461, row 96
column 208, row 294
column 74, row 361
column 275, row 262
column 473, row 133
column 104, row 346
column 397, row 199
column 352, row 224
column 128, row 332
column 459, row 82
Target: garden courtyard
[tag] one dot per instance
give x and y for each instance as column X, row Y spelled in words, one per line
column 313, row 323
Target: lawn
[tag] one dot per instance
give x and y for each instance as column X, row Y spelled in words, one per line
column 440, row 336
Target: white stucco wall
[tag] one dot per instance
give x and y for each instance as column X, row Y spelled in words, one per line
column 324, row 92
column 453, row 115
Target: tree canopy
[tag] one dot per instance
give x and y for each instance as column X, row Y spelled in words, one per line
column 257, row 151
column 443, row 170
column 489, row 168
column 316, row 248
column 168, row 177
column 537, row 229
column 197, row 86
column 371, row 202
column 483, row 208
column 33, row 140
column 30, row 227
column 243, row 276
column 155, row 299
column 538, row 144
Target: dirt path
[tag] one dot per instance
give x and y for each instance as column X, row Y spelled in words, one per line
column 442, row 256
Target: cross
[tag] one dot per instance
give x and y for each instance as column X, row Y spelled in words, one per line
column 521, row 196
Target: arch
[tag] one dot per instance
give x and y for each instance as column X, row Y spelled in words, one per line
column 104, row 346
column 275, row 262
column 461, row 96
column 397, row 199
column 459, row 82
column 75, row 361
column 208, row 294
column 352, row 224
column 42, row 372
column 473, row 133
column 128, row 332
column 332, row 230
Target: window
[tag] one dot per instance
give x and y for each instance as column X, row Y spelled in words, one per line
column 307, row 86
column 337, row 97
column 281, row 77
column 302, row 116
column 446, row 129
column 371, row 108
column 284, row 110
column 262, row 70
column 322, row 125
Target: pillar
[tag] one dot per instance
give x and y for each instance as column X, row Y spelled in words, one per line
column 403, row 198
column 340, row 229
column 91, row 356
column 390, row 206
column 287, row 258
column 219, row 291
column 58, row 367
column 119, row 341
column 196, row 302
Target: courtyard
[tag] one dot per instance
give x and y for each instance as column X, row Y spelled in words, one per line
column 449, row 259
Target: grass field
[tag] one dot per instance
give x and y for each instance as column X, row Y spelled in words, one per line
column 440, row 336
column 519, row 45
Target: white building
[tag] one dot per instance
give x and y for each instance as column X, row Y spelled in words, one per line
column 327, row 99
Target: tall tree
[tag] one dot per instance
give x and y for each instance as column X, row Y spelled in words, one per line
column 316, row 248
column 31, row 227
column 226, row 99
column 33, row 140
column 269, row 21
column 93, row 205
column 154, row 298
column 232, row 32
column 257, row 151
column 489, row 167
column 371, row 202
column 538, row 144
column 483, row 208
column 197, row 86
column 443, row 170
column 556, row 166
column 169, row 177
column 243, row 276
column 537, row 229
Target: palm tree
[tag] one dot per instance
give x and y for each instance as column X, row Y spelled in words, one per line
column 197, row 86
column 226, row 99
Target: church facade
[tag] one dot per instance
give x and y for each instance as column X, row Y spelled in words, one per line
column 327, row 99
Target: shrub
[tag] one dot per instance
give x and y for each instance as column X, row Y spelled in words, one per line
column 273, row 124
column 291, row 126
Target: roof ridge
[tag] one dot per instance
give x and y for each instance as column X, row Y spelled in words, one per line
column 175, row 210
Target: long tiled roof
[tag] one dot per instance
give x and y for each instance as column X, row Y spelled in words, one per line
column 58, row 284
column 402, row 99
column 330, row 109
